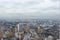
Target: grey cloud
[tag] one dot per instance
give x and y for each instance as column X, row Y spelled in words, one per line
column 55, row 0
column 31, row 6
column 27, row 4
column 52, row 8
column 12, row 5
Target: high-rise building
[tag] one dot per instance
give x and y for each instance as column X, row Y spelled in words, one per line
column 40, row 29
column 50, row 37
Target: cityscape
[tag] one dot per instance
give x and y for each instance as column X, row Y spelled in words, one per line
column 29, row 19
column 33, row 29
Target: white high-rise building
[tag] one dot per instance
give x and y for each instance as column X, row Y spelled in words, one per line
column 20, row 27
column 50, row 37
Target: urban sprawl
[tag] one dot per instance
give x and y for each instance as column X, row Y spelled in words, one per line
column 33, row 29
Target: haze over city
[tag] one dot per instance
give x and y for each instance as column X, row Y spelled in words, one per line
column 30, row 9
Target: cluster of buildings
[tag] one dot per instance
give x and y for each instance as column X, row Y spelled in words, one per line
column 30, row 30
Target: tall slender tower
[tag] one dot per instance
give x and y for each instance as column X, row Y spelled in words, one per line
column 18, row 27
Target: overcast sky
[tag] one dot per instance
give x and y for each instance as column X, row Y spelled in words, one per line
column 29, row 8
